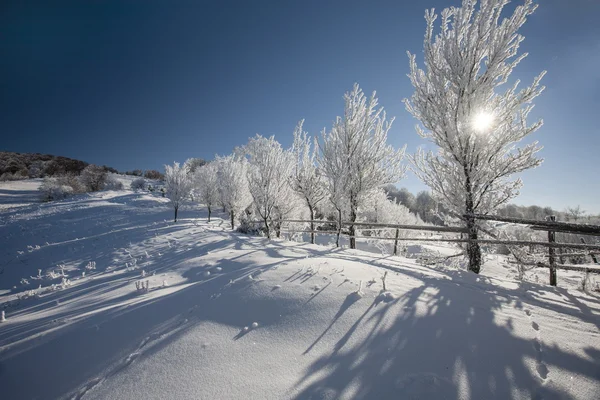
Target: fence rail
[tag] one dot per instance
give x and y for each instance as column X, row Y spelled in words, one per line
column 556, row 226
column 551, row 227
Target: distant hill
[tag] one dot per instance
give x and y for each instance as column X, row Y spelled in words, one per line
column 36, row 165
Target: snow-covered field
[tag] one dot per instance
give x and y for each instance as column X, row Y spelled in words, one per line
column 19, row 193
column 228, row 316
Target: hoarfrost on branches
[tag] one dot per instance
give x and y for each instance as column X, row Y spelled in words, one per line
column 355, row 157
column 269, row 169
column 178, row 185
column 476, row 128
column 206, row 185
column 233, row 185
column 306, row 179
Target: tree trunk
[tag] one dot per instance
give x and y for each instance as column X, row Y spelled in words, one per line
column 352, row 220
column 267, row 228
column 208, row 213
column 232, row 217
column 339, row 224
column 176, row 209
column 312, row 224
column 473, row 249
column 396, row 242
column 278, row 228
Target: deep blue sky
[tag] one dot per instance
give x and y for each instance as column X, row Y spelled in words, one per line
column 137, row 84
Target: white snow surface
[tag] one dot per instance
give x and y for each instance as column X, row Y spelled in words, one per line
column 437, row 333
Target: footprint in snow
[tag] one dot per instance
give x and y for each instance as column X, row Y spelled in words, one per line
column 541, row 367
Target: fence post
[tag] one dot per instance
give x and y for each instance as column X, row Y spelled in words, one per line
column 396, row 242
column 552, row 253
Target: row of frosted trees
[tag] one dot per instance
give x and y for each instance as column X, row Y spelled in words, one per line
column 462, row 109
column 341, row 173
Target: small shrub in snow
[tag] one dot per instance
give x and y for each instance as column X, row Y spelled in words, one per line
column 73, row 181
column 113, row 183
column 249, row 227
column 91, row 266
column 588, row 284
column 140, row 287
column 65, row 283
column 51, row 189
column 138, row 184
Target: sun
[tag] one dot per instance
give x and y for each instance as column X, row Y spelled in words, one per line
column 483, row 121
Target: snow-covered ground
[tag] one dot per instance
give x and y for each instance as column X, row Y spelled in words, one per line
column 229, row 316
column 19, row 193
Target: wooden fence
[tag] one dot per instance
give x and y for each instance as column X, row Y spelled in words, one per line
column 551, row 226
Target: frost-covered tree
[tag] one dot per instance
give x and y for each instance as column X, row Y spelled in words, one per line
column 206, row 185
column 194, row 163
column 233, row 185
column 380, row 209
column 475, row 127
column 355, row 157
column 93, row 177
column 425, row 205
column 306, row 179
column 406, row 198
column 335, row 177
column 178, row 185
column 269, row 169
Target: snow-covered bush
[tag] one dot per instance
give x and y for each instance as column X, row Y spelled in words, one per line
column 248, row 226
column 8, row 176
column 71, row 180
column 113, row 183
column 50, row 190
column 138, row 184
column 93, row 177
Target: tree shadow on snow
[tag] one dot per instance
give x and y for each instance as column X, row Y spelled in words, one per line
column 442, row 340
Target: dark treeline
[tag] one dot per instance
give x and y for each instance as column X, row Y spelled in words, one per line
column 15, row 166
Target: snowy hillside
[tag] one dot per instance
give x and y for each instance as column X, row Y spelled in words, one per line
column 230, row 316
